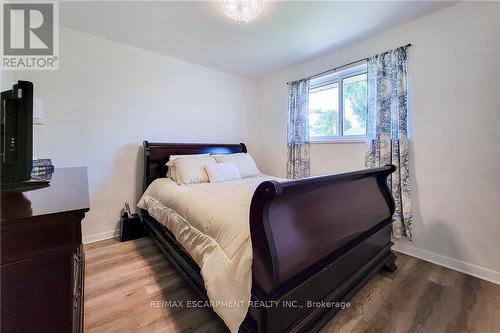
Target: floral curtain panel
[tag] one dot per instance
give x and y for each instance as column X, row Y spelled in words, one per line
column 386, row 132
column 298, row 165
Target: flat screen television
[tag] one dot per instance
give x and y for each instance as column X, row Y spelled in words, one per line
column 17, row 133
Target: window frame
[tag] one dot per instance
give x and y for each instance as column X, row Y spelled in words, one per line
column 320, row 83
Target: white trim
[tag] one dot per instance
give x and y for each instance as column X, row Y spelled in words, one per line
column 454, row 264
column 101, row 236
column 326, row 86
column 457, row 265
column 336, row 76
column 335, row 80
column 337, row 139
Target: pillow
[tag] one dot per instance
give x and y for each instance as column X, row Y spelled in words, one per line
column 175, row 157
column 222, row 172
column 191, row 170
column 232, row 155
column 171, row 173
column 244, row 162
column 171, row 167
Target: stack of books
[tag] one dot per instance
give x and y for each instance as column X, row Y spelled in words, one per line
column 42, row 169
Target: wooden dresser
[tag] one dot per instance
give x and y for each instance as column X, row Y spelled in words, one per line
column 42, row 259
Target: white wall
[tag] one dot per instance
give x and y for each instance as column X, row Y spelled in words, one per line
column 6, row 80
column 454, row 105
column 106, row 98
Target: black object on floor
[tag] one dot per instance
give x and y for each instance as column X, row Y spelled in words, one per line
column 131, row 227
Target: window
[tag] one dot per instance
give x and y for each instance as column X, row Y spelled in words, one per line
column 337, row 106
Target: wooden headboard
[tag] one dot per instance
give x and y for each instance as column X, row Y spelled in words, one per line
column 156, row 155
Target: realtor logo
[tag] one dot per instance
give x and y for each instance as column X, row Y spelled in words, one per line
column 29, row 36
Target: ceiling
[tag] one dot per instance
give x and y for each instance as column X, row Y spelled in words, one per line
column 287, row 33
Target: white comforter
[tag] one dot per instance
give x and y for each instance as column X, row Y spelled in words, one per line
column 211, row 221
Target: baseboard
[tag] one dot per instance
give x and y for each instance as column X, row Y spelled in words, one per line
column 457, row 265
column 101, row 236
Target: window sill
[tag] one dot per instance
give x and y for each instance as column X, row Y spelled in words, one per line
column 357, row 139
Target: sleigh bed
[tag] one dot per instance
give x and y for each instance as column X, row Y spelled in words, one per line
column 314, row 240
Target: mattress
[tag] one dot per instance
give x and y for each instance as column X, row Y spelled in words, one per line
column 211, row 222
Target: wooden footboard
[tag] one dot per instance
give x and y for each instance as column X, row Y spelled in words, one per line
column 314, row 240
column 297, row 225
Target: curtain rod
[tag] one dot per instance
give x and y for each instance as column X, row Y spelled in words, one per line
column 338, row 67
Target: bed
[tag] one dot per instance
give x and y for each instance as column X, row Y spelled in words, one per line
column 314, row 242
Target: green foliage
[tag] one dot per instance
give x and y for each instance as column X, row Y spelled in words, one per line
column 327, row 122
column 347, row 124
column 356, row 93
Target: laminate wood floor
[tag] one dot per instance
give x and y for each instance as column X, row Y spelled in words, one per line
column 123, row 279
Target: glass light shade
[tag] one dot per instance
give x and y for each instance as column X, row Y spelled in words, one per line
column 242, row 10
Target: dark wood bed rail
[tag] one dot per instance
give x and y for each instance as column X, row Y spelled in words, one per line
column 296, row 224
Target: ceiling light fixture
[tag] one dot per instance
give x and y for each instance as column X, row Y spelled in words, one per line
column 242, row 10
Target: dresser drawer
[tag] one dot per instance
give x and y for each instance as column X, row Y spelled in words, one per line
column 37, row 294
column 39, row 236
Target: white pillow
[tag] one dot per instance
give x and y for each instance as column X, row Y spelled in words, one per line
column 222, row 172
column 244, row 162
column 191, row 170
column 171, row 167
column 175, row 157
column 171, row 173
